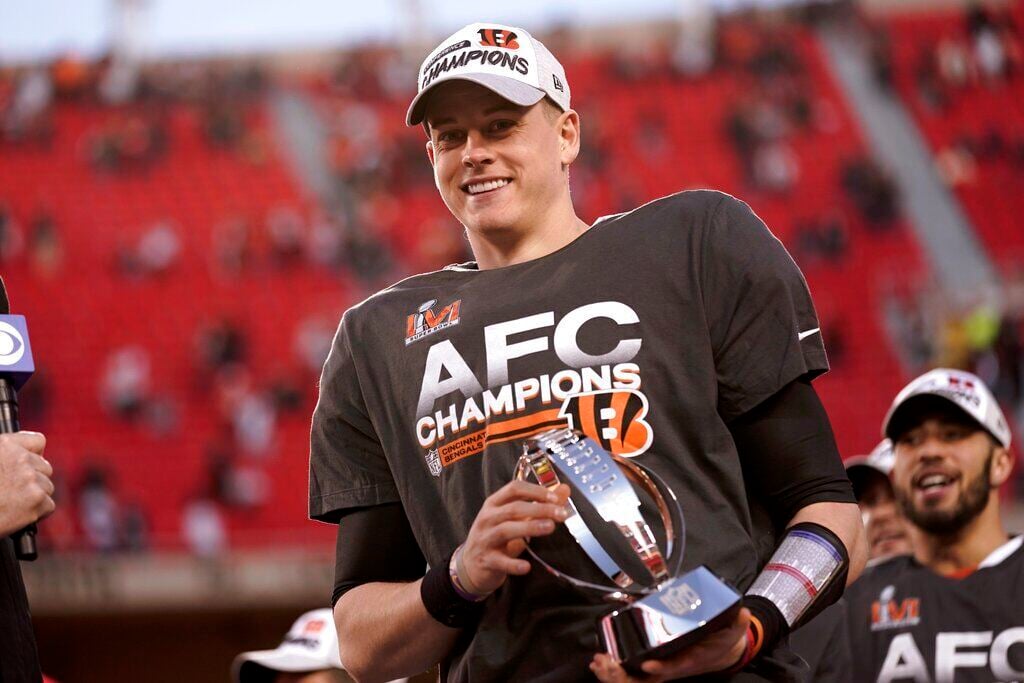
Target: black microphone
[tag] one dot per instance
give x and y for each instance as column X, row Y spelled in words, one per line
column 16, row 366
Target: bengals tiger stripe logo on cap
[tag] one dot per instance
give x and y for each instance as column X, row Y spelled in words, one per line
column 498, row 37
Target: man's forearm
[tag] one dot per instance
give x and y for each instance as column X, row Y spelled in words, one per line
column 844, row 520
column 385, row 632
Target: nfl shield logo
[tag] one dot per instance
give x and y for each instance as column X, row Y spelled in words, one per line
column 434, row 462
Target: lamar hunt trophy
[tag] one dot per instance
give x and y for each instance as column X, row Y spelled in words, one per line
column 657, row 617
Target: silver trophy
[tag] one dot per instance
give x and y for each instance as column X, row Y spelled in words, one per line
column 657, row 615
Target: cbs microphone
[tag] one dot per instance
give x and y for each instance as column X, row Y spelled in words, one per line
column 16, row 366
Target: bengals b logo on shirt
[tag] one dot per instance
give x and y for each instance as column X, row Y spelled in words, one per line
column 613, row 418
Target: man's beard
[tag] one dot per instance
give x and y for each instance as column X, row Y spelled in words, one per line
column 950, row 522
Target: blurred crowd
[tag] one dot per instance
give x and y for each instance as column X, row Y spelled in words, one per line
column 982, row 332
column 137, row 97
column 381, row 178
column 985, row 49
column 988, row 52
column 37, row 240
column 93, row 510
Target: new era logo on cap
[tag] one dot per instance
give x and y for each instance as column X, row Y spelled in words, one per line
column 505, row 59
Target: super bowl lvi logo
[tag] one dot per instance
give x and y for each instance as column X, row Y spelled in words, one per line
column 425, row 322
column 887, row 613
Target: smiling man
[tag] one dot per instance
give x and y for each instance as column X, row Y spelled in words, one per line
column 951, row 611
column 680, row 334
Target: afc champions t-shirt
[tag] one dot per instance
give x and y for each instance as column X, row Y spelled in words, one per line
column 908, row 624
column 649, row 332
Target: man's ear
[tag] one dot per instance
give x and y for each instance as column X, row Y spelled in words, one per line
column 1002, row 465
column 433, row 164
column 569, row 133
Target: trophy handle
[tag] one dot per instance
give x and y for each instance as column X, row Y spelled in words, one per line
column 547, row 477
column 671, row 515
column 581, row 461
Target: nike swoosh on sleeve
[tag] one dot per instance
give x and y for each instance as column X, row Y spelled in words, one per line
column 807, row 333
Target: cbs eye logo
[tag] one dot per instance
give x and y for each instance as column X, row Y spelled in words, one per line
column 12, row 344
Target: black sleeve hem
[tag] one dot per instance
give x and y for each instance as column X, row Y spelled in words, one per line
column 375, row 544
column 331, row 507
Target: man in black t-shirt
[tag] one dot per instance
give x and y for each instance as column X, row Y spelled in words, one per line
column 26, row 496
column 951, row 611
column 680, row 334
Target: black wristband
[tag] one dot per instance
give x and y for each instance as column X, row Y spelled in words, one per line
column 769, row 620
column 443, row 603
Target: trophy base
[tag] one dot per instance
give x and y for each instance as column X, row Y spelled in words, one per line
column 684, row 611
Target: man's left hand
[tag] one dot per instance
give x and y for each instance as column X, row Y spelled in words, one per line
column 719, row 651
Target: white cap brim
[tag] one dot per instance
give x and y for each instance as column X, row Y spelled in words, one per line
column 276, row 660
column 516, row 92
column 908, row 402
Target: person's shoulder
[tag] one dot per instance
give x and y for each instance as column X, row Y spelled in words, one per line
column 717, row 214
column 882, row 572
column 1015, row 550
column 395, row 298
column 887, row 567
column 686, row 205
column 1008, row 557
column 676, row 221
column 696, row 201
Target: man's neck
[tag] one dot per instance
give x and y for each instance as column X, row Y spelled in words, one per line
column 506, row 249
column 964, row 550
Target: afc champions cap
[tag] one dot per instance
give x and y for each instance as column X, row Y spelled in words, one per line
column 505, row 59
column 311, row 644
column 964, row 390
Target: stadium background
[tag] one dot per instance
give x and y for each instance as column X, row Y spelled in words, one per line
column 183, row 229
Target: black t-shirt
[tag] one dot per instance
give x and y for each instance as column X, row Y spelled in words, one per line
column 649, row 332
column 907, row 623
column 823, row 643
column 19, row 661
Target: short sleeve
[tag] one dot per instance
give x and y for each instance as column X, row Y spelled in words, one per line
column 347, row 466
column 762, row 323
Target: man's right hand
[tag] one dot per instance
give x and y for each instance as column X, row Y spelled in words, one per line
column 26, row 491
column 515, row 512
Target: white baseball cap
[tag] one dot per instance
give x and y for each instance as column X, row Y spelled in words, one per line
column 863, row 469
column 881, row 459
column 311, row 644
column 964, row 390
column 505, row 59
